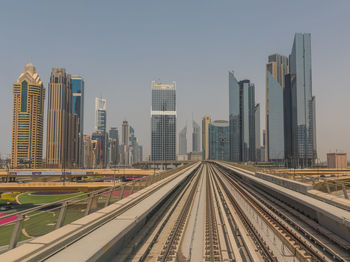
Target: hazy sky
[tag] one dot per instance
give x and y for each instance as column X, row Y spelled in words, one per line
column 119, row 47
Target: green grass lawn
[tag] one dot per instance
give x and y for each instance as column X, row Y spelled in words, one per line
column 42, row 222
column 28, row 198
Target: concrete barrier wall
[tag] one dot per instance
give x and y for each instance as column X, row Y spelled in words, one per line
column 287, row 183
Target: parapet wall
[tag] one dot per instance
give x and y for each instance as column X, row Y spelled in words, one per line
column 287, row 183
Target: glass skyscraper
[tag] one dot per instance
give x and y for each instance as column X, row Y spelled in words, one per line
column 276, row 69
column 101, row 135
column 242, row 120
column 196, row 137
column 163, row 121
column 78, row 110
column 219, row 140
column 302, row 102
column 183, row 141
column 275, row 119
column 234, row 118
column 100, row 114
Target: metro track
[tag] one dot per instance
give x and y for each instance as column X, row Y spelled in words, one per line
column 210, row 213
column 303, row 244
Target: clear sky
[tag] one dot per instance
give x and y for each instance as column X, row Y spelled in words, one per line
column 119, row 47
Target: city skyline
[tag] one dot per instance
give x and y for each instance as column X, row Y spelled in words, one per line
column 327, row 71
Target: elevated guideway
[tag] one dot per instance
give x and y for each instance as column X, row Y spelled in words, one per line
column 103, row 228
column 335, row 219
column 209, row 211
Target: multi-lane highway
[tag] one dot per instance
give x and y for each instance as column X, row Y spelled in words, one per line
column 212, row 212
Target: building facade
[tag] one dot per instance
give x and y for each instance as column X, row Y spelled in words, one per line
column 87, row 147
column 78, row 111
column 59, row 120
column 183, row 141
column 242, row 120
column 196, row 137
column 114, row 146
column 257, row 133
column 101, row 135
column 99, row 149
column 205, row 137
column 276, row 69
column 100, row 114
column 125, row 153
column 27, row 120
column 219, row 140
column 163, row 121
column 337, row 160
column 303, row 113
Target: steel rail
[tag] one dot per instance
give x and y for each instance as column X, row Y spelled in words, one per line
column 272, row 204
column 178, row 228
column 260, row 207
column 210, row 223
column 264, row 250
column 244, row 253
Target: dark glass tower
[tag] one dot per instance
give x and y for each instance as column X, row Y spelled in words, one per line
column 219, row 140
column 78, row 112
column 196, row 137
column 303, row 116
column 242, row 120
column 163, row 118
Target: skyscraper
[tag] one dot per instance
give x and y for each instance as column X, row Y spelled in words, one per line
column 133, row 147
column 219, row 141
column 126, row 133
column 78, row 110
column 196, row 137
column 276, row 69
column 257, row 133
column 205, row 137
column 99, row 149
column 303, row 115
column 114, row 146
column 163, row 118
column 242, row 120
column 183, row 141
column 59, row 120
column 87, row 152
column 100, row 114
column 125, row 143
column 27, row 121
column 101, row 135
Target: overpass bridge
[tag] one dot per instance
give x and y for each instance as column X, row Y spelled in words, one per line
column 209, row 211
column 54, row 186
column 161, row 164
column 72, row 174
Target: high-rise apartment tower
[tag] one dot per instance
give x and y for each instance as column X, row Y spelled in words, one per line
column 59, row 120
column 163, row 120
column 27, row 119
column 205, row 137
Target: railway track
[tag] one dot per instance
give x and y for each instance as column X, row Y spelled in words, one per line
column 217, row 217
column 169, row 251
column 212, row 249
column 304, row 246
